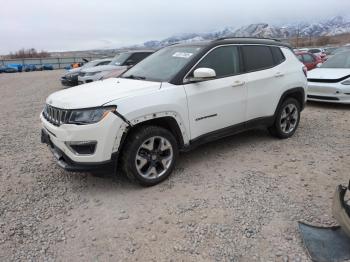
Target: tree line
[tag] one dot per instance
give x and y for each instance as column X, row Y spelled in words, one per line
column 28, row 53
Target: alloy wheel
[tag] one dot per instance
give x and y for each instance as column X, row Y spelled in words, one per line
column 154, row 157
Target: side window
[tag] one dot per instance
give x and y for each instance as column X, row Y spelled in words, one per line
column 308, row 58
column 104, row 63
column 277, row 54
column 257, row 58
column 137, row 57
column 224, row 60
column 300, row 57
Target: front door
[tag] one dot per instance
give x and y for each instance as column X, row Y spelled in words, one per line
column 221, row 102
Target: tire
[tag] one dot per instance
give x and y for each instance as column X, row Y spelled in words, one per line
column 287, row 119
column 149, row 155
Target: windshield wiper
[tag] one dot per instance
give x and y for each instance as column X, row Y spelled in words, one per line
column 135, row 77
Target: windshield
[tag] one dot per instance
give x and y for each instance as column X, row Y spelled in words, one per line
column 340, row 60
column 163, row 65
column 120, row 59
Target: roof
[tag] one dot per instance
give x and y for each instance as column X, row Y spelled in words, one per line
column 238, row 40
column 251, row 40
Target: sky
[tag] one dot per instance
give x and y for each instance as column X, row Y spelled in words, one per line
column 61, row 25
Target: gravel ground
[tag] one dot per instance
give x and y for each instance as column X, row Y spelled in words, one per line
column 237, row 199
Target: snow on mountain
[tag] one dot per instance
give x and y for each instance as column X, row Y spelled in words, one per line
column 334, row 26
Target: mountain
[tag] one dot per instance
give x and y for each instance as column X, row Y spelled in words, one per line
column 330, row 27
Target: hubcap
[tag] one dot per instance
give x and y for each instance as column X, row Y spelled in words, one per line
column 154, row 157
column 289, row 118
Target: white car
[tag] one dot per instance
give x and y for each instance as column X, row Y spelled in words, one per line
column 174, row 100
column 122, row 61
column 331, row 81
column 70, row 78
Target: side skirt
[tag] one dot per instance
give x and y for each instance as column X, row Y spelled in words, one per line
column 229, row 131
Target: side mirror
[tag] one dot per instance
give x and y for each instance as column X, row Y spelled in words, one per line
column 202, row 74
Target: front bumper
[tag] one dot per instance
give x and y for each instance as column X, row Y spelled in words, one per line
column 328, row 92
column 69, row 81
column 105, row 133
column 69, row 165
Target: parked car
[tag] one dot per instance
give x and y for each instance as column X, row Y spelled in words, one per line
column 121, row 61
column 318, row 52
column 19, row 67
column 174, row 100
column 2, row 69
column 70, row 78
column 331, row 81
column 47, row 67
column 9, row 69
column 309, row 60
column 29, row 68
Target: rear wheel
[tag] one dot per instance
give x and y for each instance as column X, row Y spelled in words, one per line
column 287, row 119
column 149, row 155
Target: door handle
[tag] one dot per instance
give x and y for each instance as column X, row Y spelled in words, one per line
column 238, row 83
column 279, row 74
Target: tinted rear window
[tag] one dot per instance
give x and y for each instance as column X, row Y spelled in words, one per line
column 277, row 54
column 257, row 58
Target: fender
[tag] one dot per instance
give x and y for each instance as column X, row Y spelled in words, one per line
column 290, row 92
column 128, row 124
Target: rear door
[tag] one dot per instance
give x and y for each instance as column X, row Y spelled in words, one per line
column 221, row 102
column 264, row 79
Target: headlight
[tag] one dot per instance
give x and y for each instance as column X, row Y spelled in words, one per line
column 89, row 116
column 92, row 73
column 346, row 82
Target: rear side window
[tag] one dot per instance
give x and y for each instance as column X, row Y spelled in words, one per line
column 300, row 57
column 224, row 60
column 257, row 58
column 277, row 54
column 308, row 58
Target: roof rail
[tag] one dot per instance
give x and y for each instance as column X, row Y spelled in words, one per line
column 244, row 37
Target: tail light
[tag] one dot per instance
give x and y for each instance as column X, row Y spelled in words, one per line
column 305, row 70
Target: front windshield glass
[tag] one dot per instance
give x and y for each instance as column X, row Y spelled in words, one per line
column 340, row 60
column 120, row 59
column 163, row 65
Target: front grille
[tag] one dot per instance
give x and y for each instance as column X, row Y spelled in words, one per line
column 56, row 116
column 314, row 80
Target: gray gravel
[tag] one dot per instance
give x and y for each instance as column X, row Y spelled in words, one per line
column 237, row 199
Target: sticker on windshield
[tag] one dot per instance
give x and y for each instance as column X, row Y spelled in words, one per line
column 183, row 55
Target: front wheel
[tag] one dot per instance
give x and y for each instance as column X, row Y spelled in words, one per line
column 149, row 155
column 287, row 119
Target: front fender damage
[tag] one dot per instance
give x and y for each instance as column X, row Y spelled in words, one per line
column 330, row 244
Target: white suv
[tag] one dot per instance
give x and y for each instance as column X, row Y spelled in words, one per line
column 179, row 97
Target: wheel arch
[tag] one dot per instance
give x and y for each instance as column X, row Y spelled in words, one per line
column 167, row 120
column 298, row 93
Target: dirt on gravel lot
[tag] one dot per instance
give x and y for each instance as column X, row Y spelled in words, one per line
column 237, row 199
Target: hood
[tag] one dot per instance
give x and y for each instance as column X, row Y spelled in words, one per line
column 329, row 73
column 102, row 68
column 99, row 93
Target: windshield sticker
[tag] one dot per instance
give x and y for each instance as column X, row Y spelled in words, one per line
column 182, row 55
